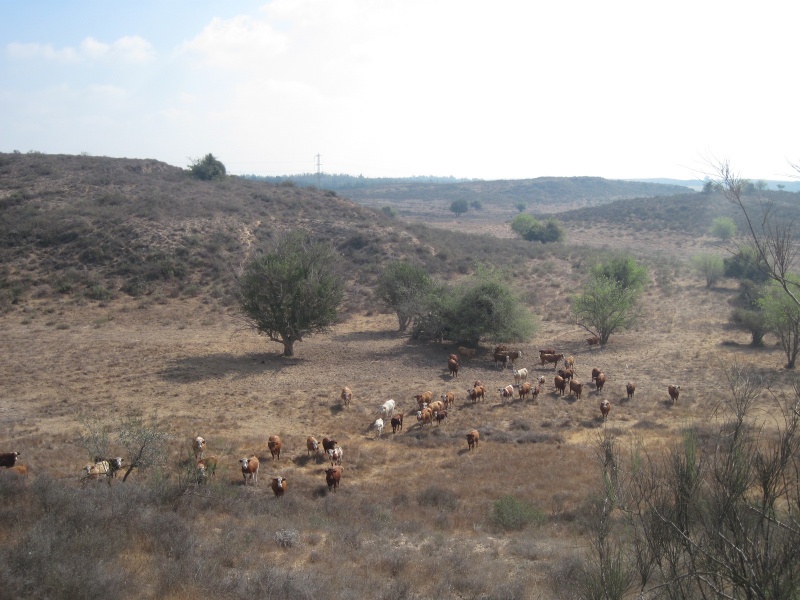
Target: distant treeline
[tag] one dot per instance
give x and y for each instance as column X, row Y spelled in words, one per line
column 350, row 182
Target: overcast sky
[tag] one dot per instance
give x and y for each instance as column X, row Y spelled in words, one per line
column 393, row 88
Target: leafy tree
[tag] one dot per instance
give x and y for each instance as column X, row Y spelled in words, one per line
column 207, row 168
column 532, row 230
column 782, row 317
column 520, row 206
column 747, row 314
column 476, row 204
column 404, row 288
column 609, row 300
column 459, row 207
column 291, row 291
column 482, row 306
column 389, row 211
column 746, row 264
column 708, row 266
column 724, row 228
column 708, row 187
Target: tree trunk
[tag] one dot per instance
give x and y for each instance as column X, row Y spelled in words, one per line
column 288, row 347
column 404, row 322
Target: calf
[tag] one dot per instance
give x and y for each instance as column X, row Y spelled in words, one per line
column 630, row 387
column 569, row 362
column 541, row 380
column 378, row 425
column 449, row 399
column 595, row 373
column 397, row 422
column 198, row 446
column 274, row 444
column 96, row 471
column 600, row 381
column 249, row 469
column 333, row 476
column 472, row 439
column 278, row 486
column 576, row 388
column 328, row 444
column 346, row 396
column 440, row 415
column 336, row 455
column 674, row 392
column 535, row 393
column 206, row 467
column 506, row 392
column 605, row 408
column 524, row 390
column 8, row 459
column 114, row 464
column 312, row 445
column 560, row 384
column 476, row 393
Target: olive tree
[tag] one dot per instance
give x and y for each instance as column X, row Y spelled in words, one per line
column 207, row 168
column 291, row 291
column 404, row 288
column 459, row 207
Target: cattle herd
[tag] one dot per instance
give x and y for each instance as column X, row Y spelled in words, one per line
column 428, row 411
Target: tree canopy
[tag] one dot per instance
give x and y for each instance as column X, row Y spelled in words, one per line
column 529, row 228
column 291, row 291
column 404, row 288
column 207, row 168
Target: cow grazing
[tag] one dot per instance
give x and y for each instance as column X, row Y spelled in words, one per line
column 566, row 374
column 206, row 467
column 593, row 341
column 575, row 387
column 600, row 381
column 560, row 384
column 520, row 376
column 397, row 422
column 387, row 409
column 551, row 358
column 333, row 476
column 335, row 455
column 476, row 393
column 440, row 415
column 506, row 392
column 630, row 387
column 312, row 446
column 346, row 396
column 278, row 486
column 674, row 392
column 8, row 459
column 198, row 447
column 466, row 352
column 524, row 390
column 378, row 425
column 275, row 444
column 95, row 471
column 452, row 367
column 472, row 439
column 249, row 469
column 605, row 408
column 328, row 444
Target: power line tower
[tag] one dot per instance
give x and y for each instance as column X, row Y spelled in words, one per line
column 319, row 171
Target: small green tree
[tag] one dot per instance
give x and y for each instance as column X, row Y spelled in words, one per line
column 708, row 266
column 207, row 168
column 782, row 317
column 609, row 300
column 746, row 264
column 389, row 211
column 476, row 204
column 724, row 228
column 291, row 291
column 404, row 288
column 747, row 314
column 532, row 230
column 520, row 206
column 459, row 207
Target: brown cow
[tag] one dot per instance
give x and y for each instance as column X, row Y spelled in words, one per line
column 630, row 387
column 274, row 444
column 333, row 476
column 346, row 396
column 278, row 486
column 472, row 439
column 524, row 390
column 551, row 358
column 452, row 367
column 600, row 381
column 575, row 387
column 476, row 393
column 605, row 408
column 674, row 392
column 249, row 469
column 567, row 374
column 397, row 422
column 593, row 341
column 466, row 352
column 560, row 384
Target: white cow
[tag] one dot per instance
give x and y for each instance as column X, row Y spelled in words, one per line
column 520, row 376
column 378, row 425
column 387, row 410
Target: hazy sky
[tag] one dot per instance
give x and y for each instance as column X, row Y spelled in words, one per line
column 497, row 89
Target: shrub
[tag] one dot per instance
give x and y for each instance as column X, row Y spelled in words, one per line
column 724, row 228
column 207, row 168
column 512, row 514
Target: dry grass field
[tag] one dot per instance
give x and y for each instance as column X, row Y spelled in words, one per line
column 413, row 515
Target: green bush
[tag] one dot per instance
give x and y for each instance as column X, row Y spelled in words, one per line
column 532, row 230
column 724, row 228
column 207, row 168
column 512, row 514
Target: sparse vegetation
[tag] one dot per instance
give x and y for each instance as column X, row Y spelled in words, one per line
column 709, row 266
column 723, row 228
